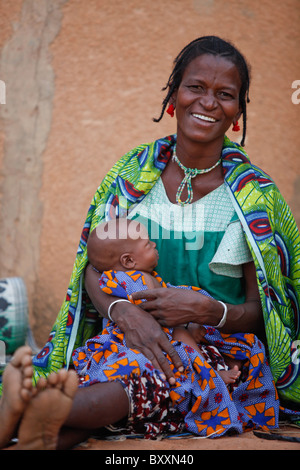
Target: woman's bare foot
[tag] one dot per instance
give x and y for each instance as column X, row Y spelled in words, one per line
column 231, row 375
column 17, row 391
column 47, row 411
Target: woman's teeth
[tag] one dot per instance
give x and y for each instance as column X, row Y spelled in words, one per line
column 204, row 118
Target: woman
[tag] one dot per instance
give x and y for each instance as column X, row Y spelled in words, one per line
column 247, row 258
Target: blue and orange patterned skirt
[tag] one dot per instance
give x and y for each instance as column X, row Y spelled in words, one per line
column 199, row 402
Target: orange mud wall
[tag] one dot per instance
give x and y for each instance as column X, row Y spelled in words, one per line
column 83, row 82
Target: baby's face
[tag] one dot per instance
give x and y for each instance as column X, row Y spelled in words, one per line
column 145, row 252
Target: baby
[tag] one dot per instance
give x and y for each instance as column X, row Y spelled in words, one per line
column 121, row 250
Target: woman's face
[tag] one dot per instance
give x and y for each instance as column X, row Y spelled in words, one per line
column 207, row 100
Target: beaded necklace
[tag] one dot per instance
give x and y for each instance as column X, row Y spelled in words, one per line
column 189, row 173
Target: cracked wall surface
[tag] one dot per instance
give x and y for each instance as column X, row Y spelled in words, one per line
column 83, row 83
column 25, row 67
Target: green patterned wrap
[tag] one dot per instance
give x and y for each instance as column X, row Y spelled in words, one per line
column 271, row 233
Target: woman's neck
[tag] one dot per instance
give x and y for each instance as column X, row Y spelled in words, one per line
column 198, row 154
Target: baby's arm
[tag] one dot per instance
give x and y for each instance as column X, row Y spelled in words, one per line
column 151, row 281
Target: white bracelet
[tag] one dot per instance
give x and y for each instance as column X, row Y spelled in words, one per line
column 223, row 319
column 112, row 304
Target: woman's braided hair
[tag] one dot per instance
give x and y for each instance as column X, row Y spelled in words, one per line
column 218, row 47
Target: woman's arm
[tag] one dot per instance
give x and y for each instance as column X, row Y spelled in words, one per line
column 173, row 307
column 142, row 331
column 247, row 317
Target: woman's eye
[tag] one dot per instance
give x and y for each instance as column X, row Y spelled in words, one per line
column 196, row 87
column 225, row 94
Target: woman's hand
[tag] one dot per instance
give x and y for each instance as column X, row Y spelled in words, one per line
column 173, row 306
column 143, row 333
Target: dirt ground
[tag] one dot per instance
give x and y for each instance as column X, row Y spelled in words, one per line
column 247, row 441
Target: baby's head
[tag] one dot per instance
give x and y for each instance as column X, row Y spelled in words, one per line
column 121, row 245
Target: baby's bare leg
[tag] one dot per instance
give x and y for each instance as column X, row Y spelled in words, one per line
column 230, row 375
column 17, row 391
column 183, row 335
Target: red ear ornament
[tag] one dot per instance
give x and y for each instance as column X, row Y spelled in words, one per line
column 236, row 127
column 171, row 110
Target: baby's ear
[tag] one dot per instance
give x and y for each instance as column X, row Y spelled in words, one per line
column 127, row 261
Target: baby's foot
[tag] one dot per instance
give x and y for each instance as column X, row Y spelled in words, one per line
column 47, row 411
column 231, row 375
column 17, row 391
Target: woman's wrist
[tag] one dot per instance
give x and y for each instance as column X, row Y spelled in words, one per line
column 120, row 313
column 109, row 311
column 224, row 317
column 215, row 313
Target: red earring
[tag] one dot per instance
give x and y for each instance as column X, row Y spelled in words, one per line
column 171, row 110
column 236, row 127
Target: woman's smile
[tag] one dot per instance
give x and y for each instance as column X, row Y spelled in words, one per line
column 202, row 117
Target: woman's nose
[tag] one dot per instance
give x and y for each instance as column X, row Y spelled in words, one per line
column 208, row 100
